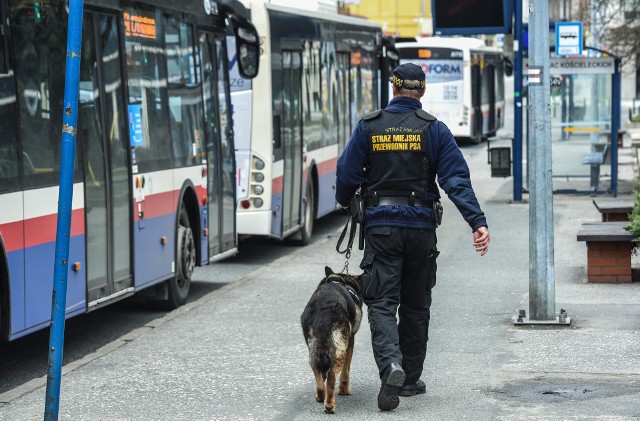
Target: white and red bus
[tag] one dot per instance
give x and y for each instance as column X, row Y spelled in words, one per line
column 154, row 177
column 319, row 74
column 465, row 83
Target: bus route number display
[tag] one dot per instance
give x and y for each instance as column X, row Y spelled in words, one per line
column 139, row 26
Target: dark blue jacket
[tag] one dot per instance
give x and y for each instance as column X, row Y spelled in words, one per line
column 451, row 170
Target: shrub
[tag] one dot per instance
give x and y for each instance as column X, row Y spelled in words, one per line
column 634, row 217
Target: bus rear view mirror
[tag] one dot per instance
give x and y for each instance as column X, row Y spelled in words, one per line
column 248, row 49
column 247, row 39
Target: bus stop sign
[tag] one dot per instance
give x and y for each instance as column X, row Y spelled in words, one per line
column 568, row 38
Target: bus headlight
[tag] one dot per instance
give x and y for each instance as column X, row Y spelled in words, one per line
column 258, row 190
column 259, row 177
column 258, row 163
column 257, row 202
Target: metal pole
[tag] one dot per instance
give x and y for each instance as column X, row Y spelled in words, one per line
column 517, row 102
column 592, row 25
column 616, row 83
column 59, row 296
column 541, row 261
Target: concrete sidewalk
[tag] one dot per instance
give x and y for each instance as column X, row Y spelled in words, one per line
column 239, row 354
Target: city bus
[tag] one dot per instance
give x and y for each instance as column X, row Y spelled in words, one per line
column 319, row 74
column 153, row 194
column 465, row 83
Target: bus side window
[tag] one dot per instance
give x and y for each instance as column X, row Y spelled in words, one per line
column 9, row 168
column 4, row 67
column 39, row 46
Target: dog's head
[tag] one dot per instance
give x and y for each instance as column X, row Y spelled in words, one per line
column 352, row 281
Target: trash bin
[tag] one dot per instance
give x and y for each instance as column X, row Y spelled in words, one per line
column 500, row 160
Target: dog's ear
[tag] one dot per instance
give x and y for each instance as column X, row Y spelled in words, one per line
column 328, row 271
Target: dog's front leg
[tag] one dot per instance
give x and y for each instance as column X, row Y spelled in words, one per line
column 344, row 376
column 319, row 386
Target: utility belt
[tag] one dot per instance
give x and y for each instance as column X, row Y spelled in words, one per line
column 378, row 198
column 397, row 201
column 374, row 199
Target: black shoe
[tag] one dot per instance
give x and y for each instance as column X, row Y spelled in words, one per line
column 392, row 381
column 417, row 388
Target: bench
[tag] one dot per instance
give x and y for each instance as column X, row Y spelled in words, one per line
column 609, row 247
column 614, row 208
column 596, row 158
column 634, row 135
column 606, row 135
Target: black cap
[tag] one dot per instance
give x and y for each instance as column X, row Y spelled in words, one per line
column 407, row 71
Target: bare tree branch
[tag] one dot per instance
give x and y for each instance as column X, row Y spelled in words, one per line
column 615, row 25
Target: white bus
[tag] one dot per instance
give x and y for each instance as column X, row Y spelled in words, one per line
column 465, row 83
column 319, row 74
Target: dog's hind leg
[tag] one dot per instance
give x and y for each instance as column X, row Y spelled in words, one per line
column 344, row 388
column 330, row 397
column 319, row 386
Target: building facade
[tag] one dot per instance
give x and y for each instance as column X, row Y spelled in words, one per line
column 399, row 18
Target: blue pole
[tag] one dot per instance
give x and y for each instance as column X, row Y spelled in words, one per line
column 59, row 295
column 517, row 102
column 616, row 83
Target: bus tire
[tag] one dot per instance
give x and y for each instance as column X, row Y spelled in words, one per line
column 179, row 285
column 309, row 214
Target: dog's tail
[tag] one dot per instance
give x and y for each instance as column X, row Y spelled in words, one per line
column 324, row 361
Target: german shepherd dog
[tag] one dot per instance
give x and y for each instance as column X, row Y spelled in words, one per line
column 329, row 324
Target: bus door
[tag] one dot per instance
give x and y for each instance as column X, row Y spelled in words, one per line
column 490, row 79
column 106, row 178
column 343, row 121
column 476, row 102
column 219, row 145
column 292, row 139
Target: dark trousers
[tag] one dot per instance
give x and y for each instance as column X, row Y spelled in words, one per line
column 399, row 270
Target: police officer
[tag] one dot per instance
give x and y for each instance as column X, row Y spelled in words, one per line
column 394, row 156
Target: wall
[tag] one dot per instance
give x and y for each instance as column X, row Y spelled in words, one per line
column 404, row 18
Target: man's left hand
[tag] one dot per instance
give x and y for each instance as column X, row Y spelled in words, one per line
column 481, row 240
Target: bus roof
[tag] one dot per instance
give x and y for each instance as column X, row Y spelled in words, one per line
column 461, row 43
column 318, row 14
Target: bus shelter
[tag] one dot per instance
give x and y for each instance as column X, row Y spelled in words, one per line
column 585, row 122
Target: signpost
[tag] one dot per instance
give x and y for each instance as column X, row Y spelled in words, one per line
column 61, row 266
column 568, row 38
column 578, row 66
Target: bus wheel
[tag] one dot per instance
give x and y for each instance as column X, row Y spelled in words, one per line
column 303, row 236
column 185, row 262
column 309, row 215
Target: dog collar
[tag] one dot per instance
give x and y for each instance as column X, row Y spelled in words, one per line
column 338, row 280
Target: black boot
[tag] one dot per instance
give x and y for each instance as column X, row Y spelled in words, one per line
column 392, row 380
column 416, row 388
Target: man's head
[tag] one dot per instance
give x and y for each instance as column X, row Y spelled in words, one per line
column 408, row 80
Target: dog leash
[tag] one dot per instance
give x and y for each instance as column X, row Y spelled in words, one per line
column 347, row 250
